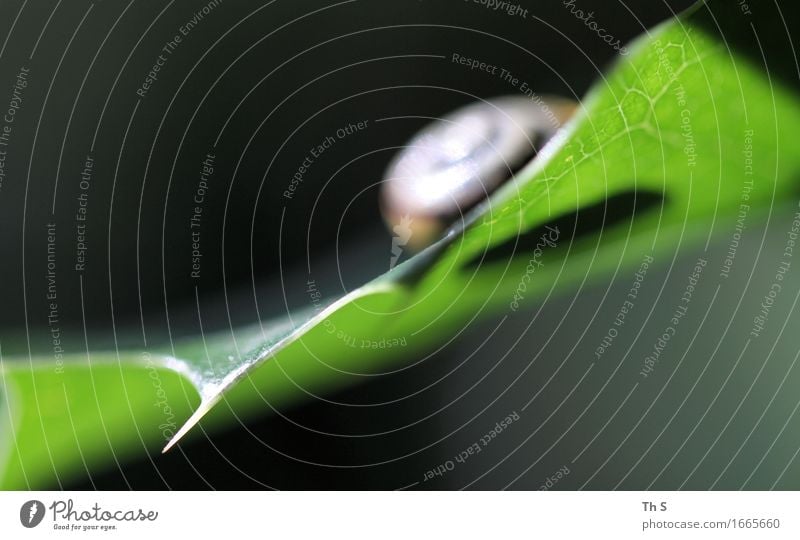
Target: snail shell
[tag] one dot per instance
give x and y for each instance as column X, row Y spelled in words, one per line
column 459, row 159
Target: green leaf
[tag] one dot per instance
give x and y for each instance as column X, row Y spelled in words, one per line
column 658, row 140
